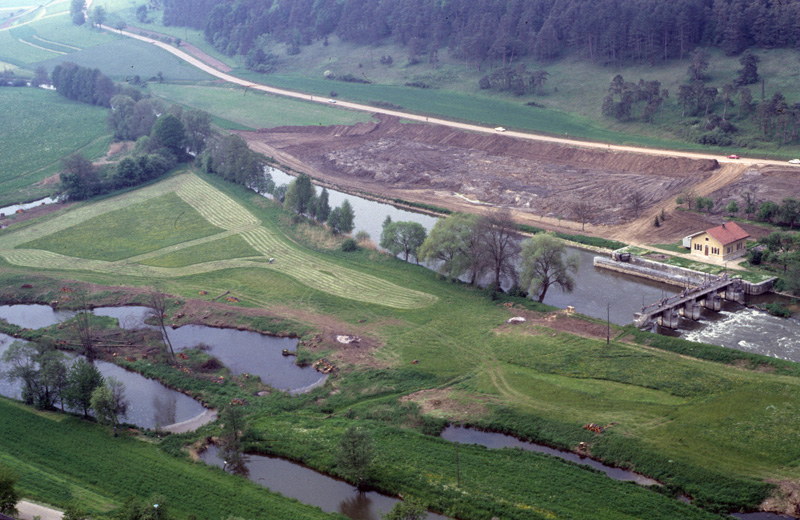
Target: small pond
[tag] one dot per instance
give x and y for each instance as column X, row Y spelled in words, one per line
column 310, row 487
column 499, row 440
column 152, row 404
column 240, row 351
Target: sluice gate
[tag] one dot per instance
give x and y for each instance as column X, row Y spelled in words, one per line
column 667, row 311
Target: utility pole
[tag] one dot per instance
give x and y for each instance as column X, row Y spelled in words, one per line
column 458, row 469
column 608, row 323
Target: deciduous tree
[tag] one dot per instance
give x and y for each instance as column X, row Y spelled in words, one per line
column 109, row 403
column 403, row 237
column 545, row 264
column 355, row 455
column 8, row 494
column 499, row 245
column 82, row 380
column 453, row 242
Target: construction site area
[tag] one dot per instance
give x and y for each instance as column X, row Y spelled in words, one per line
column 603, row 192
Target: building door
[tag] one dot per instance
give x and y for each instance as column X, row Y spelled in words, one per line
column 706, row 249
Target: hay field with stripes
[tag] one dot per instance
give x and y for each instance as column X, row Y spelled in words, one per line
column 69, row 242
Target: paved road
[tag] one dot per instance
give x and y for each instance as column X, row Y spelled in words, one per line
column 28, row 510
column 462, row 126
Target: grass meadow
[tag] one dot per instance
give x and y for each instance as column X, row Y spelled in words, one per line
column 254, row 109
column 39, row 129
column 61, row 460
column 715, row 423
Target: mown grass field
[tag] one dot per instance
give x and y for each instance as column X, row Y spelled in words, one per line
column 39, row 129
column 122, row 59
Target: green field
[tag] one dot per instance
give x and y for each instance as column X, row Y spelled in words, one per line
column 254, row 109
column 65, row 460
column 184, row 212
column 703, row 426
column 39, row 129
column 122, row 59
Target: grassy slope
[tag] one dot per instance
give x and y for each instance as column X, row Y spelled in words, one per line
column 672, row 407
column 60, row 460
column 39, row 128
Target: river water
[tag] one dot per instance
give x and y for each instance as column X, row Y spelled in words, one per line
column 10, row 210
column 152, row 405
column 594, row 289
column 240, row 351
column 310, row 487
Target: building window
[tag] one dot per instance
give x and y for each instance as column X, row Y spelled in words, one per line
column 738, row 246
column 714, row 250
column 728, row 250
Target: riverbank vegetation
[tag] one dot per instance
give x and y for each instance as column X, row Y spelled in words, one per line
column 531, row 380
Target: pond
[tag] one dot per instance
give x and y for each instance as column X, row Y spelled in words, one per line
column 152, row 405
column 310, row 487
column 499, row 440
column 240, row 351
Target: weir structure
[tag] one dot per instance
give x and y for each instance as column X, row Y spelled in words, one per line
column 668, row 311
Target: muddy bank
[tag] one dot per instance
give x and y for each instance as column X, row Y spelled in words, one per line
column 453, row 168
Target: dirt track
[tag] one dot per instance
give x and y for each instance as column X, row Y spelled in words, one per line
column 538, row 181
column 659, row 180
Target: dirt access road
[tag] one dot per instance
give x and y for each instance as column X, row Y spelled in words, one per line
column 468, row 167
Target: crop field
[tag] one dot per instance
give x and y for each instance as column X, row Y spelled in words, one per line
column 66, row 459
column 253, row 109
column 115, row 235
column 39, row 129
column 60, row 34
column 125, row 58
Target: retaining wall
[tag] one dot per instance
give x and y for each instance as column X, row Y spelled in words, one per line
column 670, row 274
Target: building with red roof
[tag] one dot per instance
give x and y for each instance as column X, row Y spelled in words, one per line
column 724, row 242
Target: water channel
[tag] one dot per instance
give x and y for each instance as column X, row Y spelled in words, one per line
column 240, row 351
column 310, row 487
column 496, row 441
column 152, row 404
column 10, row 210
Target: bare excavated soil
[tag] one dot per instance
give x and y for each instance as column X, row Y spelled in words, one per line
column 773, row 183
column 456, row 169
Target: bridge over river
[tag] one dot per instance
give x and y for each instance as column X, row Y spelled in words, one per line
column 688, row 304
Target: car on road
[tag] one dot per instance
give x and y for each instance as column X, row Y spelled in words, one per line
column 733, row 156
column 499, row 129
column 331, row 101
column 794, row 161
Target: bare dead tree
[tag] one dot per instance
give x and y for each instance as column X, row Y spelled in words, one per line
column 158, row 311
column 636, row 202
column 499, row 244
column 584, row 211
column 83, row 327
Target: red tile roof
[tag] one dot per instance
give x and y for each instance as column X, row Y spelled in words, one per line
column 728, row 233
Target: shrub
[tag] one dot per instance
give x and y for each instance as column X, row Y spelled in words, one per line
column 349, row 245
column 776, row 309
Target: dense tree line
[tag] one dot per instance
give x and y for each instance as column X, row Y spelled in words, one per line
column 604, row 31
column 474, row 247
column 83, row 84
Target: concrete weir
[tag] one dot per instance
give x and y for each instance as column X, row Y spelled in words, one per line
column 701, row 290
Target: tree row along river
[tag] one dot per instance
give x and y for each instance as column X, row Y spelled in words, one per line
column 599, row 291
column 154, row 405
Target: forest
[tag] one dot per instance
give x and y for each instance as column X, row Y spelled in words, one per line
column 613, row 32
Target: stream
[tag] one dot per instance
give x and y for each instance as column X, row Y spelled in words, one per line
column 310, row 487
